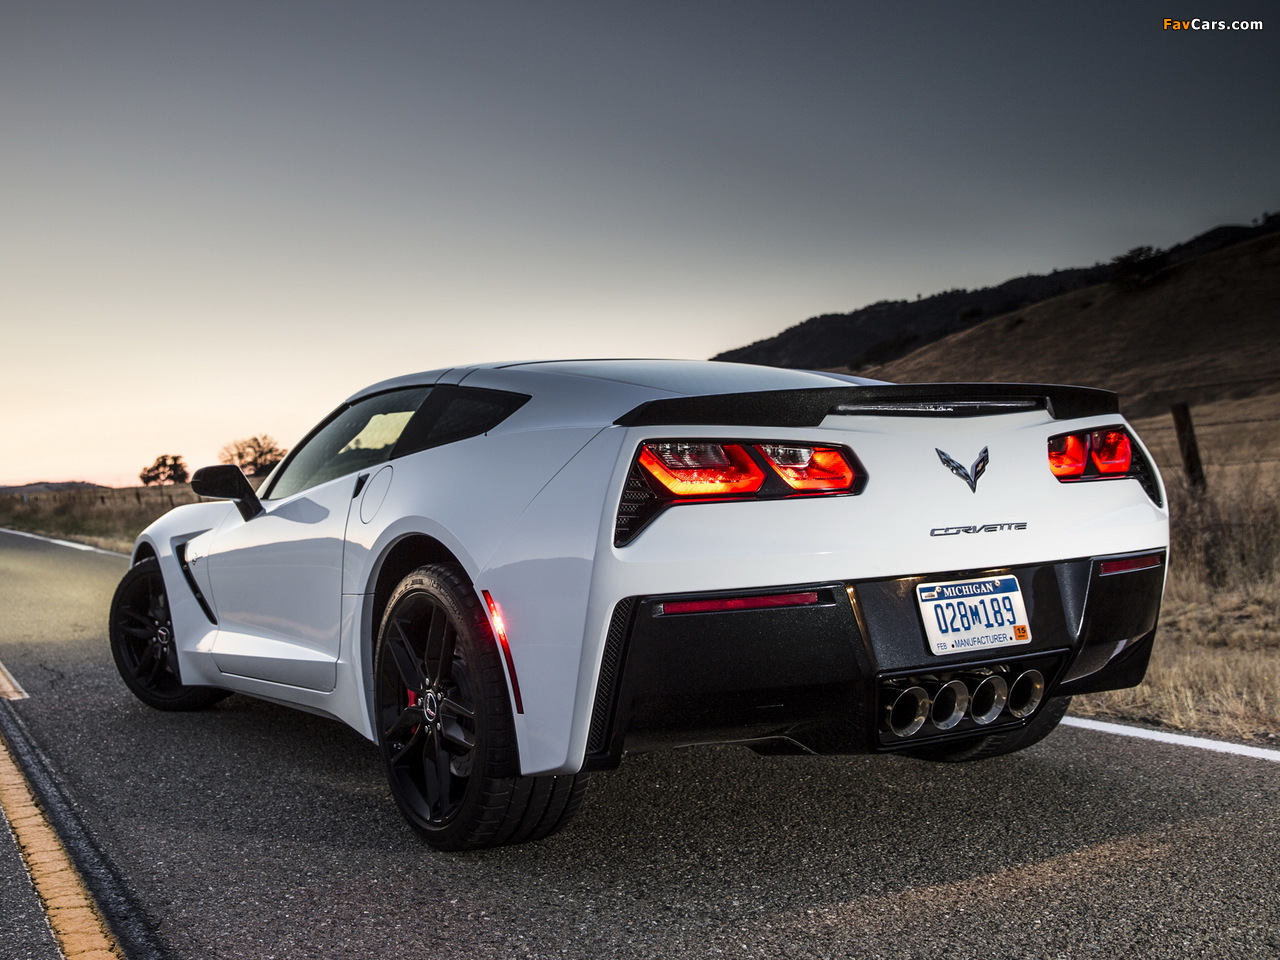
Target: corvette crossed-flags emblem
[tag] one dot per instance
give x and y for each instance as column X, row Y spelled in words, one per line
column 971, row 475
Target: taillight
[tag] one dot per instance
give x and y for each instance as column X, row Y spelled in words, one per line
column 687, row 469
column 669, row 472
column 1067, row 457
column 809, row 468
column 1105, row 454
column 1110, row 451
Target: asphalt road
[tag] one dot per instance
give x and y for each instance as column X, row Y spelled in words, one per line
column 254, row 831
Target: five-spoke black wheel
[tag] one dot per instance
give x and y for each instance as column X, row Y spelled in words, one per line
column 445, row 725
column 142, row 643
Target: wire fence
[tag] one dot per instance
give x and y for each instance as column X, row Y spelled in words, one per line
column 1245, row 441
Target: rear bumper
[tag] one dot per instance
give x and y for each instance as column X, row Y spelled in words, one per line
column 817, row 677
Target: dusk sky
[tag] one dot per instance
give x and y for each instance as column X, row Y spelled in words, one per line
column 221, row 218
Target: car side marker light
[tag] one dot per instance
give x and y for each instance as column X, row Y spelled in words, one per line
column 500, row 631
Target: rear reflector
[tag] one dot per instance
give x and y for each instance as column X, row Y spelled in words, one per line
column 1129, row 564
column 737, row 603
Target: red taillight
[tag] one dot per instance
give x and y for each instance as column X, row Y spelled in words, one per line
column 1097, row 454
column 670, row 472
column 689, row 469
column 1110, row 451
column 1067, row 456
column 809, row 468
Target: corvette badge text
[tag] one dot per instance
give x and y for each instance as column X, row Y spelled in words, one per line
column 980, row 528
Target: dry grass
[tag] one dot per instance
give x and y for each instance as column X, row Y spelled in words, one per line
column 105, row 518
column 1216, row 664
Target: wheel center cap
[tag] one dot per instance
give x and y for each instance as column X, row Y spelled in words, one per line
column 431, row 706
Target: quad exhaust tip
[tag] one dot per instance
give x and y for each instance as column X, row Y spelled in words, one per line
column 982, row 698
column 990, row 694
column 1026, row 693
column 950, row 703
column 906, row 710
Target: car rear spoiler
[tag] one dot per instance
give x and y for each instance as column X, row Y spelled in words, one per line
column 808, row 408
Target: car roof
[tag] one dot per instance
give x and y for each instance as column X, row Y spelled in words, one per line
column 661, row 378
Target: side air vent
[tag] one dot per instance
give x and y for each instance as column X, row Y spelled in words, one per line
column 180, row 551
column 610, row 674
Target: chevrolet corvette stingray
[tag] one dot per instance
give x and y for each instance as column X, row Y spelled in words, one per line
column 511, row 575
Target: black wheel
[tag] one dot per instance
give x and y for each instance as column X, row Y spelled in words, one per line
column 142, row 643
column 445, row 726
column 998, row 744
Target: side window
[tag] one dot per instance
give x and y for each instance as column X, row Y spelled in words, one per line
column 355, row 438
column 456, row 413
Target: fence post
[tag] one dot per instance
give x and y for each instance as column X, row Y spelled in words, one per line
column 1188, row 447
column 1201, row 513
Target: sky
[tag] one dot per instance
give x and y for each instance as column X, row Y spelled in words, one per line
column 219, row 219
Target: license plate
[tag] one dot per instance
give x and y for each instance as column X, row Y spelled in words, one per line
column 966, row 615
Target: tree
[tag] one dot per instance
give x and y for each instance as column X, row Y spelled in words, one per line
column 255, row 456
column 1133, row 269
column 166, row 469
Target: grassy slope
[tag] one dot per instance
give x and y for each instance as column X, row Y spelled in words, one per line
column 1204, row 332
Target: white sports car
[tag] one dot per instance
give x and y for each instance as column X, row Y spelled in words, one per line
column 510, row 575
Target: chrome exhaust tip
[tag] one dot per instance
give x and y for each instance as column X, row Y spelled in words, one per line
column 988, row 699
column 1026, row 693
column 950, row 703
column 905, row 710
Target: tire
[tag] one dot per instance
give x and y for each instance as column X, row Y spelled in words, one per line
column 445, row 727
column 143, row 646
column 998, row 744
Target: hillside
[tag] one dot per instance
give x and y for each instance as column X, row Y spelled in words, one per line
column 44, row 486
column 1202, row 330
column 890, row 329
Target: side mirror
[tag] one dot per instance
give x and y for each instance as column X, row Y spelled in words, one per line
column 227, row 482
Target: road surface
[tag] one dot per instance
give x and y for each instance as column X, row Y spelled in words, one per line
column 253, row 831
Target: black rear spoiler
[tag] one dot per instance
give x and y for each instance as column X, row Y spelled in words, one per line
column 808, row 408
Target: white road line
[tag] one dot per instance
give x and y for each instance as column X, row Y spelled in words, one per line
column 1178, row 739
column 10, row 688
column 63, row 543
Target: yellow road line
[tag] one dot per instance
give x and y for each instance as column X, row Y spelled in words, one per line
column 10, row 689
column 74, row 917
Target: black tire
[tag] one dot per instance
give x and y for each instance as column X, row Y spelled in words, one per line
column 142, row 643
column 998, row 744
column 445, row 727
